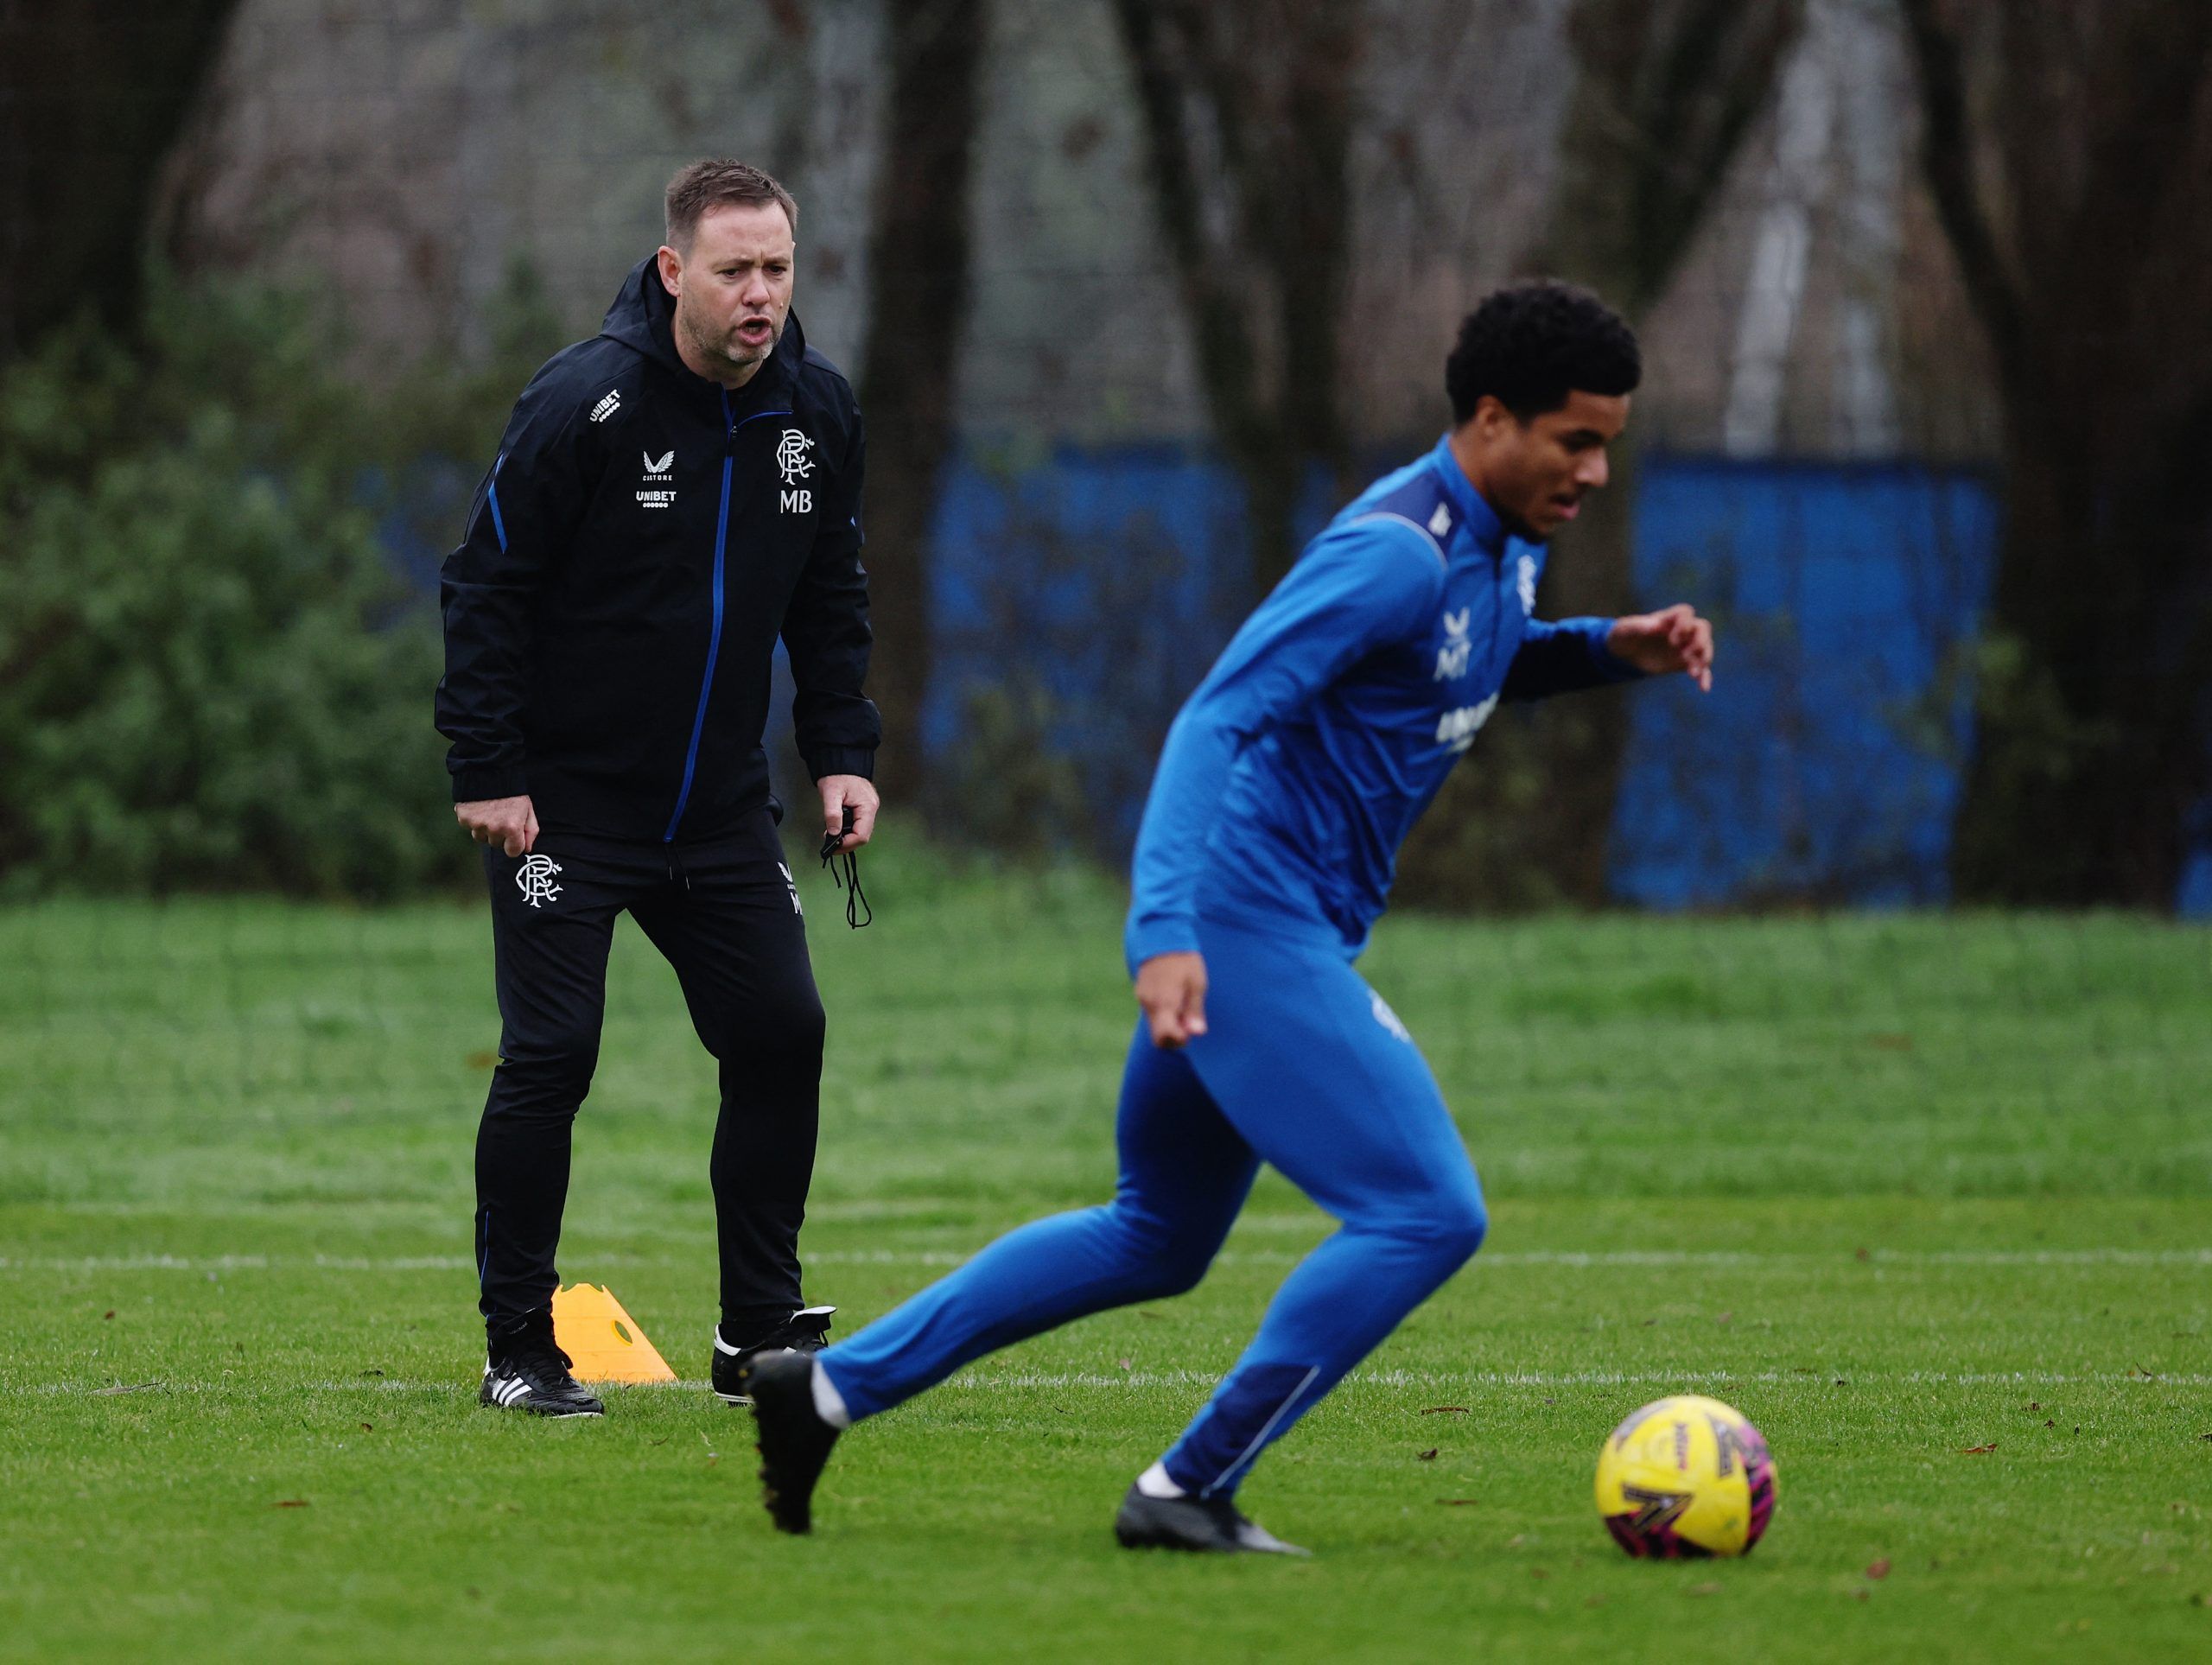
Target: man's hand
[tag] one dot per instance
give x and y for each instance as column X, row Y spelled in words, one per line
column 1660, row 643
column 504, row 823
column 1171, row 988
column 859, row 791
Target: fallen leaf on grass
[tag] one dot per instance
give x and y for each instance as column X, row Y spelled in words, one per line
column 1860, row 1253
column 1435, row 1410
column 126, row 1387
column 1429, row 1456
column 1458, row 1503
column 368, row 1427
column 1977, row 1451
column 1879, row 1569
column 1123, row 1362
column 109, row 1313
column 481, row 1060
column 289, row 1503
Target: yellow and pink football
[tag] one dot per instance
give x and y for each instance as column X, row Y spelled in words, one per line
column 1685, row 1477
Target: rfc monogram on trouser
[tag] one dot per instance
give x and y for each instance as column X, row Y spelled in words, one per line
column 724, row 913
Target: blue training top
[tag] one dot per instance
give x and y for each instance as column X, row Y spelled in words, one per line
column 1297, row 768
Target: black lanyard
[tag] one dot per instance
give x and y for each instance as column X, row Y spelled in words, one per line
column 857, row 911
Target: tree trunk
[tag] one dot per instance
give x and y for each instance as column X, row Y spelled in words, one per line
column 919, row 285
column 1247, row 109
column 1666, row 92
column 2080, row 213
column 2090, row 750
column 93, row 93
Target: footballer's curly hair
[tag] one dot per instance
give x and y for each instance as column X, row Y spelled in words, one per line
column 1530, row 345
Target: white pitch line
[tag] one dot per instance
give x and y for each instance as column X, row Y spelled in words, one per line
column 1428, row 1381
column 1460, row 1379
column 1567, row 1258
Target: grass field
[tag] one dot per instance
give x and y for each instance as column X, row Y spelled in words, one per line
column 1930, row 1199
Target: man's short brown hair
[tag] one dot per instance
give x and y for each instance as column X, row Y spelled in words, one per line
column 715, row 182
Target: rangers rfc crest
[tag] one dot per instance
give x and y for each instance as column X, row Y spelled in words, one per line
column 534, row 879
column 791, row 459
column 791, row 456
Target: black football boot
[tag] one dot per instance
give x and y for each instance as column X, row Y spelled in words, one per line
column 1207, row 1525
column 525, row 1370
column 792, row 1440
column 807, row 1331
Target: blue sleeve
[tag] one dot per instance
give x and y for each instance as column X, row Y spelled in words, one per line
column 1561, row 658
column 1360, row 587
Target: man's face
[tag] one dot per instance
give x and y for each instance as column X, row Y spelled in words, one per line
column 733, row 290
column 1537, row 472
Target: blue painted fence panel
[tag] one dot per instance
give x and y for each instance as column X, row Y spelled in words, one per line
column 1823, row 767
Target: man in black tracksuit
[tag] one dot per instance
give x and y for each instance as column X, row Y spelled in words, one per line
column 668, row 499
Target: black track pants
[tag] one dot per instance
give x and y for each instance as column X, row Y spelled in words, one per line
column 726, row 915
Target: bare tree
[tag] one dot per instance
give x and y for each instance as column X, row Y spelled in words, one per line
column 92, row 94
column 1248, row 108
column 2067, row 145
column 919, row 282
column 1665, row 93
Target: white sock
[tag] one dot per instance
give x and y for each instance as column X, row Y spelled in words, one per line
column 1154, row 1483
column 828, row 1403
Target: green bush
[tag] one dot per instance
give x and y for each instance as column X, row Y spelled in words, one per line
column 211, row 676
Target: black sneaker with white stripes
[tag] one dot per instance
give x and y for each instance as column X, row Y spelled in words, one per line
column 1207, row 1525
column 526, row 1370
column 792, row 1440
column 807, row 1331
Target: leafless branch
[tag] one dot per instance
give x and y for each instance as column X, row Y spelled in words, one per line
column 1948, row 155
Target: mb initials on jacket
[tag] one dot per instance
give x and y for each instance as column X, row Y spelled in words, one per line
column 793, row 463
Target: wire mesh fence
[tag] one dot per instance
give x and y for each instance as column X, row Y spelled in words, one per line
column 446, row 195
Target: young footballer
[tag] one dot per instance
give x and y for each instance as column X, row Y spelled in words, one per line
column 1288, row 782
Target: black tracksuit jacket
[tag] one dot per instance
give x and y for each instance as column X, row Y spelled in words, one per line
column 611, row 616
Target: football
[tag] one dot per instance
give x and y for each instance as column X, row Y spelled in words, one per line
column 1685, row 1477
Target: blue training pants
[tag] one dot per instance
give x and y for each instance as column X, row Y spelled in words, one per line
column 1302, row 1066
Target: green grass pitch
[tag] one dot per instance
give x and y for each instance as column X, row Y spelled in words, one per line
column 1930, row 1199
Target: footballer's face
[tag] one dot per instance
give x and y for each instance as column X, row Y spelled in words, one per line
column 1536, row 473
column 733, row 290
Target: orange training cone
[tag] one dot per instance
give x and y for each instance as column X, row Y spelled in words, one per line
column 604, row 1340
